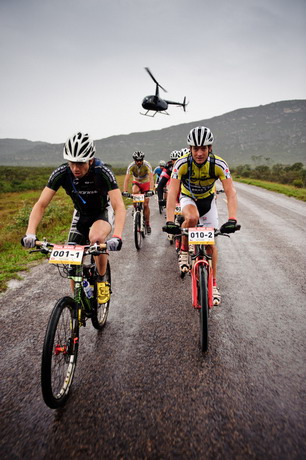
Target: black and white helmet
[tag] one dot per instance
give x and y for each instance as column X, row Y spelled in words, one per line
column 138, row 155
column 79, row 148
column 200, row 136
column 175, row 155
column 184, row 151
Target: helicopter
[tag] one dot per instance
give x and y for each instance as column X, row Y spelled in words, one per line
column 154, row 103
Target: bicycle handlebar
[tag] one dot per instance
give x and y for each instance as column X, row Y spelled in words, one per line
column 130, row 195
column 45, row 247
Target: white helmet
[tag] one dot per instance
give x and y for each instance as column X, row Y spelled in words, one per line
column 162, row 163
column 200, row 136
column 138, row 155
column 184, row 151
column 79, row 148
column 175, row 155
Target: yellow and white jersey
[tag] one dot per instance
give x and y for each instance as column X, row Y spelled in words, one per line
column 140, row 173
column 198, row 180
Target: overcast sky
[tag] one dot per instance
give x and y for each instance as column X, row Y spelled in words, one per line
column 78, row 65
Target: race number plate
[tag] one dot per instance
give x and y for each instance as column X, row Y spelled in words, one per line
column 66, row 254
column 138, row 198
column 201, row 235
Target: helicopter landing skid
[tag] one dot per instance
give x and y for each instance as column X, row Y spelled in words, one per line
column 148, row 115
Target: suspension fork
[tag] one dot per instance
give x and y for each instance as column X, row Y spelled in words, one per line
column 139, row 208
column 195, row 280
column 79, row 299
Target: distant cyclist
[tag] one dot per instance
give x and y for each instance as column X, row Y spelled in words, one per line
column 165, row 176
column 194, row 176
column 158, row 170
column 96, row 197
column 184, row 151
column 141, row 172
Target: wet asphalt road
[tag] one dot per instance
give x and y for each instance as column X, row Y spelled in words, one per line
column 142, row 388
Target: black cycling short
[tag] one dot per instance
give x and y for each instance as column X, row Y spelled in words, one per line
column 203, row 204
column 81, row 224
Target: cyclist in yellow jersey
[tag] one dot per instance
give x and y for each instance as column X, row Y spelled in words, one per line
column 143, row 181
column 194, row 177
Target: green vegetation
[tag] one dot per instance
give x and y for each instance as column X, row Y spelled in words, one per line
column 289, row 190
column 18, row 179
column 283, row 174
column 287, row 179
column 21, row 178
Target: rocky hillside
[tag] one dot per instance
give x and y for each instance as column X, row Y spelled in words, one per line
column 272, row 133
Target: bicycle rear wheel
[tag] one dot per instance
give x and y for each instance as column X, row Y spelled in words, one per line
column 137, row 230
column 203, row 302
column 100, row 314
column 60, row 351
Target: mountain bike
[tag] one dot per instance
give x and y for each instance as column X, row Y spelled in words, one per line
column 201, row 271
column 61, row 344
column 139, row 226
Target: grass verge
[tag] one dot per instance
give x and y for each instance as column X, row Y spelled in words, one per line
column 289, row 190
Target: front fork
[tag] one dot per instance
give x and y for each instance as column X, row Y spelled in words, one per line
column 195, row 280
column 139, row 209
column 80, row 299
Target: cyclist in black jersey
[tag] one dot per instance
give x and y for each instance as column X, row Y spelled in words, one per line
column 165, row 176
column 194, row 177
column 97, row 200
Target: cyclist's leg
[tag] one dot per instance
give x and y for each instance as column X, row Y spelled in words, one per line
column 191, row 216
column 145, row 187
column 75, row 236
column 135, row 187
column 99, row 231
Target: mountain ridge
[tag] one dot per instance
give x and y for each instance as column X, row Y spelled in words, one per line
column 275, row 133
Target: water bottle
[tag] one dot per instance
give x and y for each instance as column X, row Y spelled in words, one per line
column 87, row 289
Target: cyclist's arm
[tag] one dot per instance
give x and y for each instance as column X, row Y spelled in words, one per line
column 151, row 181
column 38, row 209
column 173, row 191
column 119, row 210
column 231, row 197
column 126, row 182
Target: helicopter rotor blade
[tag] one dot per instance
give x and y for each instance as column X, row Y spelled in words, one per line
column 155, row 81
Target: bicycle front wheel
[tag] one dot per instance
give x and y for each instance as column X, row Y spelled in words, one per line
column 137, row 230
column 60, row 353
column 100, row 314
column 203, row 302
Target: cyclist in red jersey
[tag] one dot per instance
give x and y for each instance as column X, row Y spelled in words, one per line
column 141, row 172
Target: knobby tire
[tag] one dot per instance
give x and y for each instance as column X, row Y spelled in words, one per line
column 60, row 351
column 203, row 302
column 137, row 232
